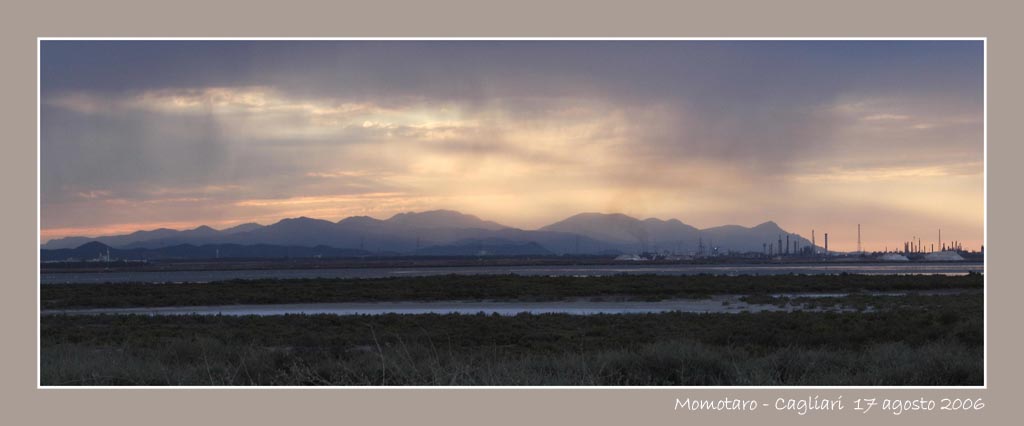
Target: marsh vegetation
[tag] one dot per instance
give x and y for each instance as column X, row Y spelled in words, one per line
column 916, row 339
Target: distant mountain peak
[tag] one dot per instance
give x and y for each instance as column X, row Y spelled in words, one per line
column 602, row 215
column 245, row 227
column 450, row 231
column 604, row 226
column 432, row 213
column 93, row 245
column 300, row 219
column 359, row 220
column 442, row 219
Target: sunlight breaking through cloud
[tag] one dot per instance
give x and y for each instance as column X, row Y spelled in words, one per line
column 522, row 134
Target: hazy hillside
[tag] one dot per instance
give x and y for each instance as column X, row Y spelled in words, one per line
column 445, row 231
column 630, row 234
column 95, row 250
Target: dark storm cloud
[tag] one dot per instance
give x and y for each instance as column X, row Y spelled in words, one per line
column 751, row 100
column 230, row 121
column 712, row 69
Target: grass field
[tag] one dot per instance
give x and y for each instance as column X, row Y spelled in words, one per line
column 902, row 340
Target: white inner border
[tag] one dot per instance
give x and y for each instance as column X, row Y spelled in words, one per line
column 39, row 41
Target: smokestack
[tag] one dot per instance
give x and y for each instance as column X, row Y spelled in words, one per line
column 858, row 239
column 787, row 243
column 826, row 244
column 814, row 244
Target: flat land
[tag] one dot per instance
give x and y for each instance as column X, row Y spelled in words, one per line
column 933, row 334
column 437, row 262
column 481, row 287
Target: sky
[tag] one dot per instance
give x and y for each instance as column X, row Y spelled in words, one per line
column 816, row 135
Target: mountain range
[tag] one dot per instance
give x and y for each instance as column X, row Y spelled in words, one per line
column 438, row 232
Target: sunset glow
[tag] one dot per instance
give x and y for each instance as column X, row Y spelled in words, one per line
column 812, row 135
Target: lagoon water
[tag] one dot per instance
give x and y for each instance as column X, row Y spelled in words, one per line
column 961, row 268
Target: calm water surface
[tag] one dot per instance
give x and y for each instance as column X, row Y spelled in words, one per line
column 590, row 270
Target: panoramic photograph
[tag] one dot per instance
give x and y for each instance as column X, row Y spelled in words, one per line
column 511, row 212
